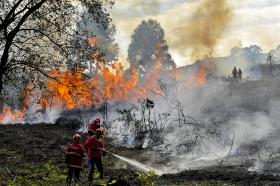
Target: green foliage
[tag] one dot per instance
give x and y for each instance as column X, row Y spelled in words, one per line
column 147, row 179
column 147, row 44
column 36, row 37
column 47, row 174
column 113, row 182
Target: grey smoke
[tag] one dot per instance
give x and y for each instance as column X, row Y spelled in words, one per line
column 249, row 115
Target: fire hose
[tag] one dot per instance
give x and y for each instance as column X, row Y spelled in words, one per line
column 134, row 163
column 103, row 150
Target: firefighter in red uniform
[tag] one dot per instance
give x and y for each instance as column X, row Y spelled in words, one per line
column 74, row 159
column 93, row 126
column 94, row 144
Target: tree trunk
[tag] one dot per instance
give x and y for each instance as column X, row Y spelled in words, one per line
column 1, row 84
column 11, row 35
column 1, row 91
column 3, row 62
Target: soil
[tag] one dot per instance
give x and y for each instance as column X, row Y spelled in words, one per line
column 24, row 146
column 228, row 174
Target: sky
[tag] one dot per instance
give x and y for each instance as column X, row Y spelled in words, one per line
column 253, row 22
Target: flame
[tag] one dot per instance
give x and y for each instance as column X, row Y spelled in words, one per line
column 93, row 41
column 73, row 90
column 112, row 83
column 8, row 115
column 70, row 90
column 201, row 77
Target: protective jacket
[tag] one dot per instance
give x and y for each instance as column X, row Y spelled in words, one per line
column 93, row 126
column 93, row 144
column 74, row 155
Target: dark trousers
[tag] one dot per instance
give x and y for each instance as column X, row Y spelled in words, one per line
column 91, row 163
column 73, row 173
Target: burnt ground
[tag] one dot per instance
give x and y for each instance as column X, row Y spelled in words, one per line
column 25, row 148
column 27, row 151
column 224, row 174
column 35, row 152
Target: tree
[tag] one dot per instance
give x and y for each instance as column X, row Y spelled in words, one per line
column 253, row 49
column 92, row 38
column 35, row 35
column 270, row 61
column 275, row 54
column 147, row 38
column 253, row 53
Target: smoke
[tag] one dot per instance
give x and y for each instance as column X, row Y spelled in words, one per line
column 202, row 32
column 248, row 118
column 246, row 115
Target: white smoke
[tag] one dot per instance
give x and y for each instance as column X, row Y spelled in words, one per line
column 248, row 114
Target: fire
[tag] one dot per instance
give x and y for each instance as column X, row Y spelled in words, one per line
column 152, row 78
column 110, row 83
column 73, row 90
column 70, row 90
column 8, row 115
column 201, row 77
column 116, row 86
column 93, row 41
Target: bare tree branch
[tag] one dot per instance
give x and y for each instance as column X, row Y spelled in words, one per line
column 42, row 33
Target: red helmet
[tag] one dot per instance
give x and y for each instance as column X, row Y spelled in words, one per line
column 77, row 137
column 97, row 121
column 93, row 126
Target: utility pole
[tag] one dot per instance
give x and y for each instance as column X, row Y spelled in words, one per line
column 270, row 62
column 150, row 105
column 105, row 115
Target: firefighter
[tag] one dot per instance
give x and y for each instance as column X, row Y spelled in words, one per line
column 239, row 74
column 234, row 73
column 74, row 159
column 93, row 126
column 95, row 145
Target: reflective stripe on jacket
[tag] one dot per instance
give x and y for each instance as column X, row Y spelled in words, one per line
column 74, row 155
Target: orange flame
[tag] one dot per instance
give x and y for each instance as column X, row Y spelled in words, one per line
column 8, row 115
column 70, row 90
column 74, row 90
column 201, row 77
column 93, row 41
